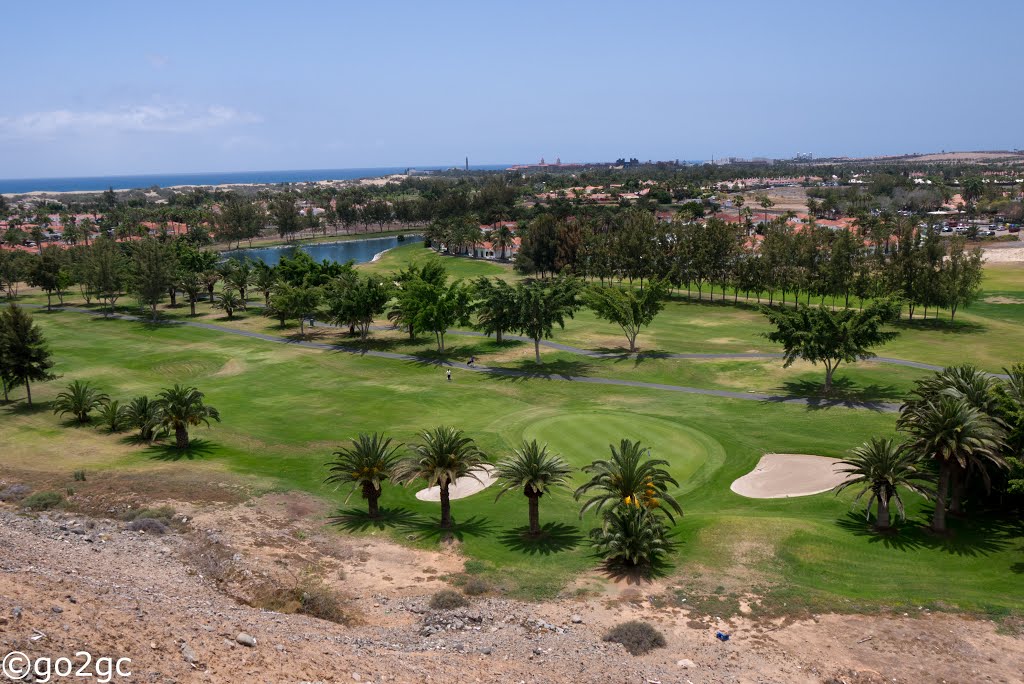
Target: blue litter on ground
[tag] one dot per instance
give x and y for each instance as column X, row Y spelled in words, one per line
column 722, row 636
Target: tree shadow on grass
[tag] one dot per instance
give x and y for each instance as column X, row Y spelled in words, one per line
column 845, row 393
column 359, row 520
column 199, row 448
column 423, row 529
column 943, row 325
column 554, row 538
column 1017, row 568
column 636, row 575
column 981, row 536
column 21, row 407
column 564, row 369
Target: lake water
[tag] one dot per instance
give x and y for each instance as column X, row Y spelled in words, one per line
column 359, row 251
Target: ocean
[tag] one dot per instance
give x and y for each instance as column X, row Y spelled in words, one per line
column 96, row 183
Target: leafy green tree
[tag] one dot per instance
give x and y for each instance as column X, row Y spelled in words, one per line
column 534, row 471
column 284, row 215
column 819, row 335
column 191, row 283
column 79, row 399
column 953, row 434
column 229, row 301
column 144, row 414
column 402, row 311
column 46, row 271
column 239, row 275
column 629, row 308
column 296, row 301
column 181, row 407
column 631, row 536
column 496, row 307
column 443, row 456
column 365, row 464
column 882, row 466
column 107, row 271
column 501, row 239
column 436, row 307
column 265, row 279
column 14, row 269
column 630, row 477
column 153, row 272
column 357, row 301
column 542, row 305
column 25, row 354
column 960, row 276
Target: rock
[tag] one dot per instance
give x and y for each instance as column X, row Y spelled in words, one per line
column 486, row 650
column 576, row 619
column 356, row 677
column 57, row 609
column 245, row 639
column 686, row 664
column 538, row 651
column 187, row 654
column 16, row 613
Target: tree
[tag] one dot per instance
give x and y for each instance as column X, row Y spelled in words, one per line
column 181, row 407
column 46, row 271
column 817, row 334
column 153, row 272
column 954, row 434
column 542, row 305
column 766, row 204
column 25, row 354
column 444, row 455
column 114, row 415
column 107, row 271
column 881, row 466
column 960, row 276
column 631, row 536
column 14, row 269
column 631, row 477
column 191, row 283
column 629, row 308
column 264, row 280
column 435, row 307
column 144, row 414
column 535, row 471
column 365, row 465
column 238, row 274
column 296, row 301
column 79, row 399
column 495, row 305
column 501, row 239
column 284, row 215
column 228, row 301
column 357, row 301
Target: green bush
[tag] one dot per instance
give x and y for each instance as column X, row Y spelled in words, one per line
column 638, row 637
column 164, row 514
column 79, row 476
column 42, row 501
column 446, row 599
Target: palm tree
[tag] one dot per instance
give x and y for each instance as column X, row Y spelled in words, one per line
column 444, row 456
column 365, row 465
column 144, row 413
column 181, row 407
column 265, row 280
column 535, row 471
column 501, row 237
column 632, row 536
column 79, row 399
column 631, row 477
column 229, row 301
column 114, row 415
column 882, row 466
column 954, row 434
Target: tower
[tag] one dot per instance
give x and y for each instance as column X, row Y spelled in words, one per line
column 467, row 163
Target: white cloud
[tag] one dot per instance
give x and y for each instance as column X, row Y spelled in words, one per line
column 135, row 119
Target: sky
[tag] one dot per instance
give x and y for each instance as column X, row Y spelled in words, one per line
column 130, row 88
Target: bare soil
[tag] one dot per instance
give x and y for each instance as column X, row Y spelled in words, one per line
column 86, row 583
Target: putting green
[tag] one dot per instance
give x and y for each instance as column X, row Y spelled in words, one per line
column 582, row 437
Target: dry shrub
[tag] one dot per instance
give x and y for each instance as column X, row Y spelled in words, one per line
column 475, row 586
column 638, row 637
column 14, row 492
column 147, row 525
column 446, row 599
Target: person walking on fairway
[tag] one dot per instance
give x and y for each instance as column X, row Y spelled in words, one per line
column 449, row 375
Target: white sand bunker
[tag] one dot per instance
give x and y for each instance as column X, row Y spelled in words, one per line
column 462, row 487
column 778, row 476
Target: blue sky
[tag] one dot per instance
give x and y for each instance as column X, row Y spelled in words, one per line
column 109, row 88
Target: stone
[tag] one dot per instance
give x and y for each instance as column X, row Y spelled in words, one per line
column 686, row 664
column 187, row 654
column 245, row 639
column 57, row 609
column 576, row 619
column 486, row 650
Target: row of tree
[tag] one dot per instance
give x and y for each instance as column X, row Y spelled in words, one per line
column 630, row 489
column 887, row 258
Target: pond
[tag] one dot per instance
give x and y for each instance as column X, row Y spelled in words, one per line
column 359, row 251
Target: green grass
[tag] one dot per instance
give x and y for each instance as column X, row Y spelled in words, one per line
column 286, row 408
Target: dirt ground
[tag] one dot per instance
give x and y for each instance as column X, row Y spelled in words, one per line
column 176, row 604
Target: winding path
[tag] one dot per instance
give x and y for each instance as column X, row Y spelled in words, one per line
column 516, row 374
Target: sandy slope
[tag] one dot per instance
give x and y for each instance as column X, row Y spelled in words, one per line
column 781, row 475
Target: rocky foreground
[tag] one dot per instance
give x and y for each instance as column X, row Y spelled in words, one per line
column 70, row 584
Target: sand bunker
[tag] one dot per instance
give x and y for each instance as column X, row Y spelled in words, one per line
column 462, row 487
column 781, row 475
